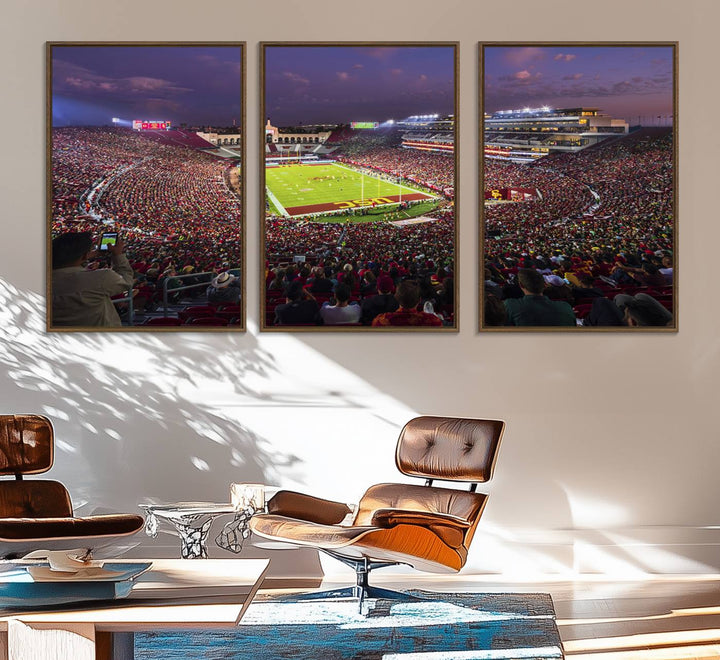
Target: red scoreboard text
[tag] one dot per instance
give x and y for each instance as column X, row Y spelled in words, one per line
column 140, row 125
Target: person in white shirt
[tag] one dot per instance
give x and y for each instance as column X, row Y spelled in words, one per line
column 343, row 311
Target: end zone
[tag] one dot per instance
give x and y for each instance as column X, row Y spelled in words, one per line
column 355, row 203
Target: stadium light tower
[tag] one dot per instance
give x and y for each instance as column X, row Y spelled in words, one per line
column 116, row 120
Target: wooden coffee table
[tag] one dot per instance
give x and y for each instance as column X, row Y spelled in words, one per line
column 174, row 593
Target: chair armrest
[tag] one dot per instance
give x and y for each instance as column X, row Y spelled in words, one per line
column 451, row 529
column 392, row 517
column 306, row 507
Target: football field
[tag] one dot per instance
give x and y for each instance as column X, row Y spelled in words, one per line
column 294, row 190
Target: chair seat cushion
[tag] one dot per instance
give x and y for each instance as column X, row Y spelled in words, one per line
column 36, row 498
column 23, row 529
column 417, row 546
column 305, row 532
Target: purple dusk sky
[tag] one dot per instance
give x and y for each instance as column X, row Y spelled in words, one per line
column 339, row 84
column 628, row 82
column 197, row 85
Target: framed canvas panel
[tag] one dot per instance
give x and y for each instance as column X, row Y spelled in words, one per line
column 359, row 186
column 145, row 186
column 579, row 187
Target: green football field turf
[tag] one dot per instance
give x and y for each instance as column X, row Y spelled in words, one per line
column 294, row 186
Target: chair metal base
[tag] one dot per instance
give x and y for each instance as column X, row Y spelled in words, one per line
column 353, row 593
column 362, row 590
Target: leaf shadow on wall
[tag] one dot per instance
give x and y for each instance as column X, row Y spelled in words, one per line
column 126, row 426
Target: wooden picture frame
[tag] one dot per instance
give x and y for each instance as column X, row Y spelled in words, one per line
column 146, row 140
column 338, row 71
column 573, row 190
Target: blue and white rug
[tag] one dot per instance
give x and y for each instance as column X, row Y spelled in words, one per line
column 444, row 626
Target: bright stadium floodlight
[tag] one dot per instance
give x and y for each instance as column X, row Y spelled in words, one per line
column 116, row 120
column 545, row 109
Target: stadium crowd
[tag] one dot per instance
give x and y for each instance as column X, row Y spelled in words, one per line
column 361, row 256
column 601, row 225
column 171, row 204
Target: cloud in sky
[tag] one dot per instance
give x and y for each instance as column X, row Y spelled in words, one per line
column 347, row 83
column 624, row 81
column 523, row 77
column 523, row 56
column 382, row 53
column 295, row 78
column 197, row 85
column 217, row 62
column 82, row 80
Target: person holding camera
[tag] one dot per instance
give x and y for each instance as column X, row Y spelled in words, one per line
column 81, row 297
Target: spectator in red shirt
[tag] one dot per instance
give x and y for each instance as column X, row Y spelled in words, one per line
column 408, row 296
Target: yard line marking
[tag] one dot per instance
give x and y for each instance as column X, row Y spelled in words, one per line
column 277, row 203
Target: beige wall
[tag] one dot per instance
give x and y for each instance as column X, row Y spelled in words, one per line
column 611, row 457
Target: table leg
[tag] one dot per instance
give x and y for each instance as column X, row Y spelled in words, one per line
column 193, row 539
column 151, row 524
column 236, row 531
column 114, row 645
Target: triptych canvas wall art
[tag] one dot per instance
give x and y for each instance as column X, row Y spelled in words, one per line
column 359, row 211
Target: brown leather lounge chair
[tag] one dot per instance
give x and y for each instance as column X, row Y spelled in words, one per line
column 38, row 514
column 427, row 527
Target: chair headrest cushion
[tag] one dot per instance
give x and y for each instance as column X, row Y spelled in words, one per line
column 449, row 448
column 26, row 444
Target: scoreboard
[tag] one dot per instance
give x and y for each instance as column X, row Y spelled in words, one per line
column 364, row 124
column 144, row 125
